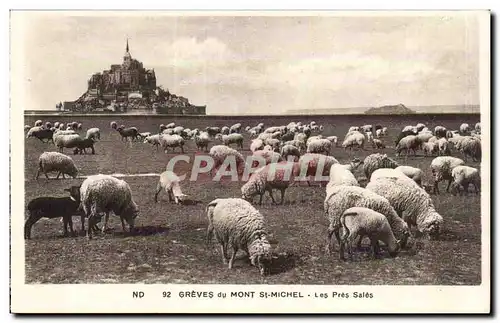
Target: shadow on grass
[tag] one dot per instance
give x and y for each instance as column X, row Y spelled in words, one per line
column 283, row 262
column 144, row 231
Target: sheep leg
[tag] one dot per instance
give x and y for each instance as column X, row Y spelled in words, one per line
column 93, row 150
column 37, row 174
column 158, row 190
column 282, row 196
column 375, row 248
column 270, row 191
column 123, row 224
column 65, row 225
column 182, row 149
column 63, row 175
column 29, row 223
column 260, row 200
column 448, row 187
column 224, row 253
column 106, row 219
column 210, row 229
column 329, row 242
column 170, row 199
column 70, row 224
column 82, row 220
column 233, row 257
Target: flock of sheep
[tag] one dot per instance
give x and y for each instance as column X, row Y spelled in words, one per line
column 394, row 200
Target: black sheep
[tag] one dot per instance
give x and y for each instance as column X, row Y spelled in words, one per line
column 44, row 134
column 53, row 207
column 82, row 145
column 128, row 132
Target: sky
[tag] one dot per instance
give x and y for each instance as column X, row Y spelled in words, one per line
column 256, row 64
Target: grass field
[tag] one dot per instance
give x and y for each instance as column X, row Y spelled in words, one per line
column 172, row 249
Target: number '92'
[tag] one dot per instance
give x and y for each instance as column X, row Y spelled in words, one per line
column 166, row 294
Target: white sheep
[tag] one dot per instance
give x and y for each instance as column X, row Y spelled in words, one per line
column 471, row 147
column 170, row 125
column 53, row 161
column 353, row 128
column 153, row 140
column 202, row 140
column 235, row 128
column 62, row 141
column 462, row 177
column 354, row 139
column 234, row 138
column 38, row 123
column 269, row 156
column 464, row 128
column 384, row 131
column 168, row 131
column 378, row 144
column 224, row 130
column 378, row 133
column 93, row 133
column 256, row 144
column 424, row 136
column 274, row 143
column 333, row 139
column 357, row 221
column 430, row 148
column 376, row 161
column 104, row 194
column 272, row 176
column 477, row 127
column 178, row 130
column 408, row 143
column 312, row 138
column 219, row 153
column 171, row 141
column 411, row 202
column 369, row 137
column 441, row 168
column 443, row 147
column 319, row 146
column 416, row 174
column 290, row 150
column 340, row 175
column 170, row 182
column 343, row 197
column 237, row 225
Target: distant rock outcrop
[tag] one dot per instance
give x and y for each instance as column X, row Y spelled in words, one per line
column 390, row 109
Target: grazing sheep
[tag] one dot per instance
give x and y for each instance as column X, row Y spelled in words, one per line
column 272, row 176
column 268, row 155
column 62, row 141
column 290, row 150
column 170, row 182
column 41, row 134
column 376, row 161
column 378, row 144
column 234, row 138
column 443, row 147
column 273, row 143
column 344, row 197
column 288, row 136
column 359, row 221
column 319, row 146
column 392, row 174
column 441, row 168
column 430, row 148
column 440, row 131
column 408, row 143
column 317, row 164
column 462, row 177
column 202, row 140
column 340, row 175
column 219, row 153
column 256, row 144
column 297, row 143
column 212, row 131
column 471, row 147
column 153, row 140
column 416, row 174
column 354, row 139
column 131, row 132
column 404, row 134
column 410, row 202
column 236, row 224
column 93, row 133
column 235, row 128
column 105, row 194
column 424, row 136
column 171, row 141
column 82, row 145
column 51, row 161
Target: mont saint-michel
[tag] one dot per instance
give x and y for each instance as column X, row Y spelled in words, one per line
column 129, row 87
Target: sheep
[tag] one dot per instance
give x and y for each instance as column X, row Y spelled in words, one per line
column 358, row 221
column 271, row 129
column 313, row 138
column 38, row 123
column 219, row 153
column 144, row 135
column 411, row 202
column 424, row 136
column 441, row 168
column 297, row 143
column 268, row 155
column 51, row 161
column 52, row 207
column 224, row 130
column 393, row 174
column 93, row 133
column 378, row 133
column 56, row 124
column 171, row 141
column 353, row 128
column 82, row 145
column 369, row 136
column 411, row 129
column 236, row 224
column 464, row 128
column 378, row 144
column 79, row 126
column 256, row 144
column 367, row 128
column 41, row 134
column 235, row 128
column 319, row 146
column 290, row 150
column 170, row 182
column 168, row 131
column 408, row 143
column 376, row 161
column 340, row 175
column 430, row 148
column 343, row 197
column 384, row 131
column 462, row 177
column 288, row 136
column 153, row 140
column 301, row 137
column 314, row 161
column 274, row 143
column 477, row 127
column 61, row 126
column 113, row 125
column 333, row 139
column 62, row 141
column 471, row 147
column 171, row 125
column 440, row 131
column 416, row 174
column 131, row 132
column 178, row 130
column 105, row 194
column 202, row 140
column 404, row 134
column 272, row 176
column 420, row 127
column 48, row 125
column 234, row 138
column 443, row 147
column 355, row 139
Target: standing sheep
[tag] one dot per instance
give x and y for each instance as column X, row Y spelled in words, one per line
column 171, row 141
column 358, row 221
column 94, row 133
column 319, row 146
column 236, row 224
column 471, row 147
column 414, row 173
column 202, row 140
column 376, row 161
column 441, row 168
column 170, row 182
column 462, row 177
column 104, row 194
column 408, row 143
column 219, row 153
column 53, row 161
column 234, row 138
column 290, row 150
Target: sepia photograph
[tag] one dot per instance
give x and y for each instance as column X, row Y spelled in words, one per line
column 201, row 159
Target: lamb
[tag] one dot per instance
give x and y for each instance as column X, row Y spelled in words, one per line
column 414, row 173
column 441, row 168
column 131, row 132
column 51, row 161
column 82, row 145
column 93, row 133
column 443, row 147
column 378, row 144
column 358, row 221
column 290, row 150
column 235, row 128
column 340, row 175
column 462, row 177
column 202, row 140
column 471, row 147
column 272, row 176
column 430, row 148
column 412, row 203
column 52, row 207
column 171, row 141
column 319, row 146
column 153, row 140
column 408, row 143
column 170, row 182
column 376, row 161
column 41, row 134
column 343, row 197
column 234, row 138
column 220, row 152
column 105, row 194
column 236, row 224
